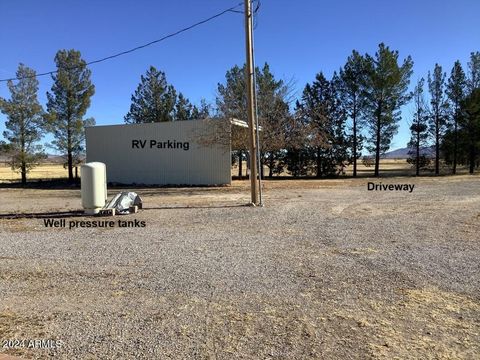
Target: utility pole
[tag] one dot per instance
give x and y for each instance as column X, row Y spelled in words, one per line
column 251, row 102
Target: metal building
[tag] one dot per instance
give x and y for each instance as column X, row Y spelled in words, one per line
column 191, row 152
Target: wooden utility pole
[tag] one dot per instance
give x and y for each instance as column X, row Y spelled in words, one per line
column 250, row 101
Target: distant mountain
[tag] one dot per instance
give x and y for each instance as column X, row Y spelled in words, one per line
column 402, row 153
column 58, row 159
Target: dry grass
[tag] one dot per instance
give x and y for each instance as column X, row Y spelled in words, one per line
column 431, row 322
column 392, row 167
column 386, row 165
column 44, row 171
column 17, row 326
column 395, row 167
column 398, row 165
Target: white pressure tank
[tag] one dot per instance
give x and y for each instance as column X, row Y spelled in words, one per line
column 94, row 186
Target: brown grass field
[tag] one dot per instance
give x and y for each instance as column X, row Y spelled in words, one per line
column 388, row 167
column 44, row 171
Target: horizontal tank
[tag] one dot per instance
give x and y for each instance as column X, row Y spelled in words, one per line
column 93, row 186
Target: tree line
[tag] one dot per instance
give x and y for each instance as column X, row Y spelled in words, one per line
column 357, row 109
column 27, row 121
column 319, row 134
column 67, row 103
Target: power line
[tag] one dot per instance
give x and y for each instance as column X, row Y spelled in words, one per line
column 257, row 7
column 232, row 9
column 255, row 17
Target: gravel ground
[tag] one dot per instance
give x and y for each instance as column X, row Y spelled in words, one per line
column 326, row 270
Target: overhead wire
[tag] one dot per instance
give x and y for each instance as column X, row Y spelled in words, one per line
column 231, row 9
column 255, row 17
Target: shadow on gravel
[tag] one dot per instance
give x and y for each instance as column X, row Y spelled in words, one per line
column 57, row 184
column 64, row 184
column 44, row 215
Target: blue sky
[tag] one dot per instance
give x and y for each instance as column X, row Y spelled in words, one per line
column 297, row 38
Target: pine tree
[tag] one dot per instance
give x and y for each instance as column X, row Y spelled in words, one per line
column 325, row 121
column 4, row 148
column 68, row 103
column 350, row 89
column 153, row 101
column 183, row 108
column 313, row 108
column 202, row 111
column 456, row 91
column 384, row 92
column 438, row 110
column 470, row 122
column 231, row 97
column 418, row 129
column 273, row 111
column 340, row 141
column 474, row 72
column 297, row 155
column 231, row 102
column 25, row 122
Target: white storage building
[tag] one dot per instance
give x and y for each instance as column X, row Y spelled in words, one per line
column 168, row 153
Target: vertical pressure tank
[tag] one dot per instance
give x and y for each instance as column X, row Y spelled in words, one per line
column 94, row 186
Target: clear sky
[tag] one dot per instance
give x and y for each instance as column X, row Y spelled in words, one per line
column 297, row 38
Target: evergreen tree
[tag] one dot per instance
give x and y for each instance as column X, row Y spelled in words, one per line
column 350, row 88
column 153, row 101
column 25, row 121
column 438, row 110
column 273, row 111
column 341, row 142
column 202, row 111
column 4, row 148
column 470, row 121
column 474, row 72
column 458, row 141
column 231, row 102
column 67, row 104
column 384, row 92
column 297, row 155
column 183, row 108
column 298, row 161
column 418, row 129
column 231, row 97
column 325, row 120
column 313, row 108
column 456, row 88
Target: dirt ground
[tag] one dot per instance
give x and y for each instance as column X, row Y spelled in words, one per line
column 326, row 270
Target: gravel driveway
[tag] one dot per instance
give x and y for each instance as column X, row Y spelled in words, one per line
column 326, row 270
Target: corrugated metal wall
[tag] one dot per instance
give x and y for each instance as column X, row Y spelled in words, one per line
column 155, row 153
